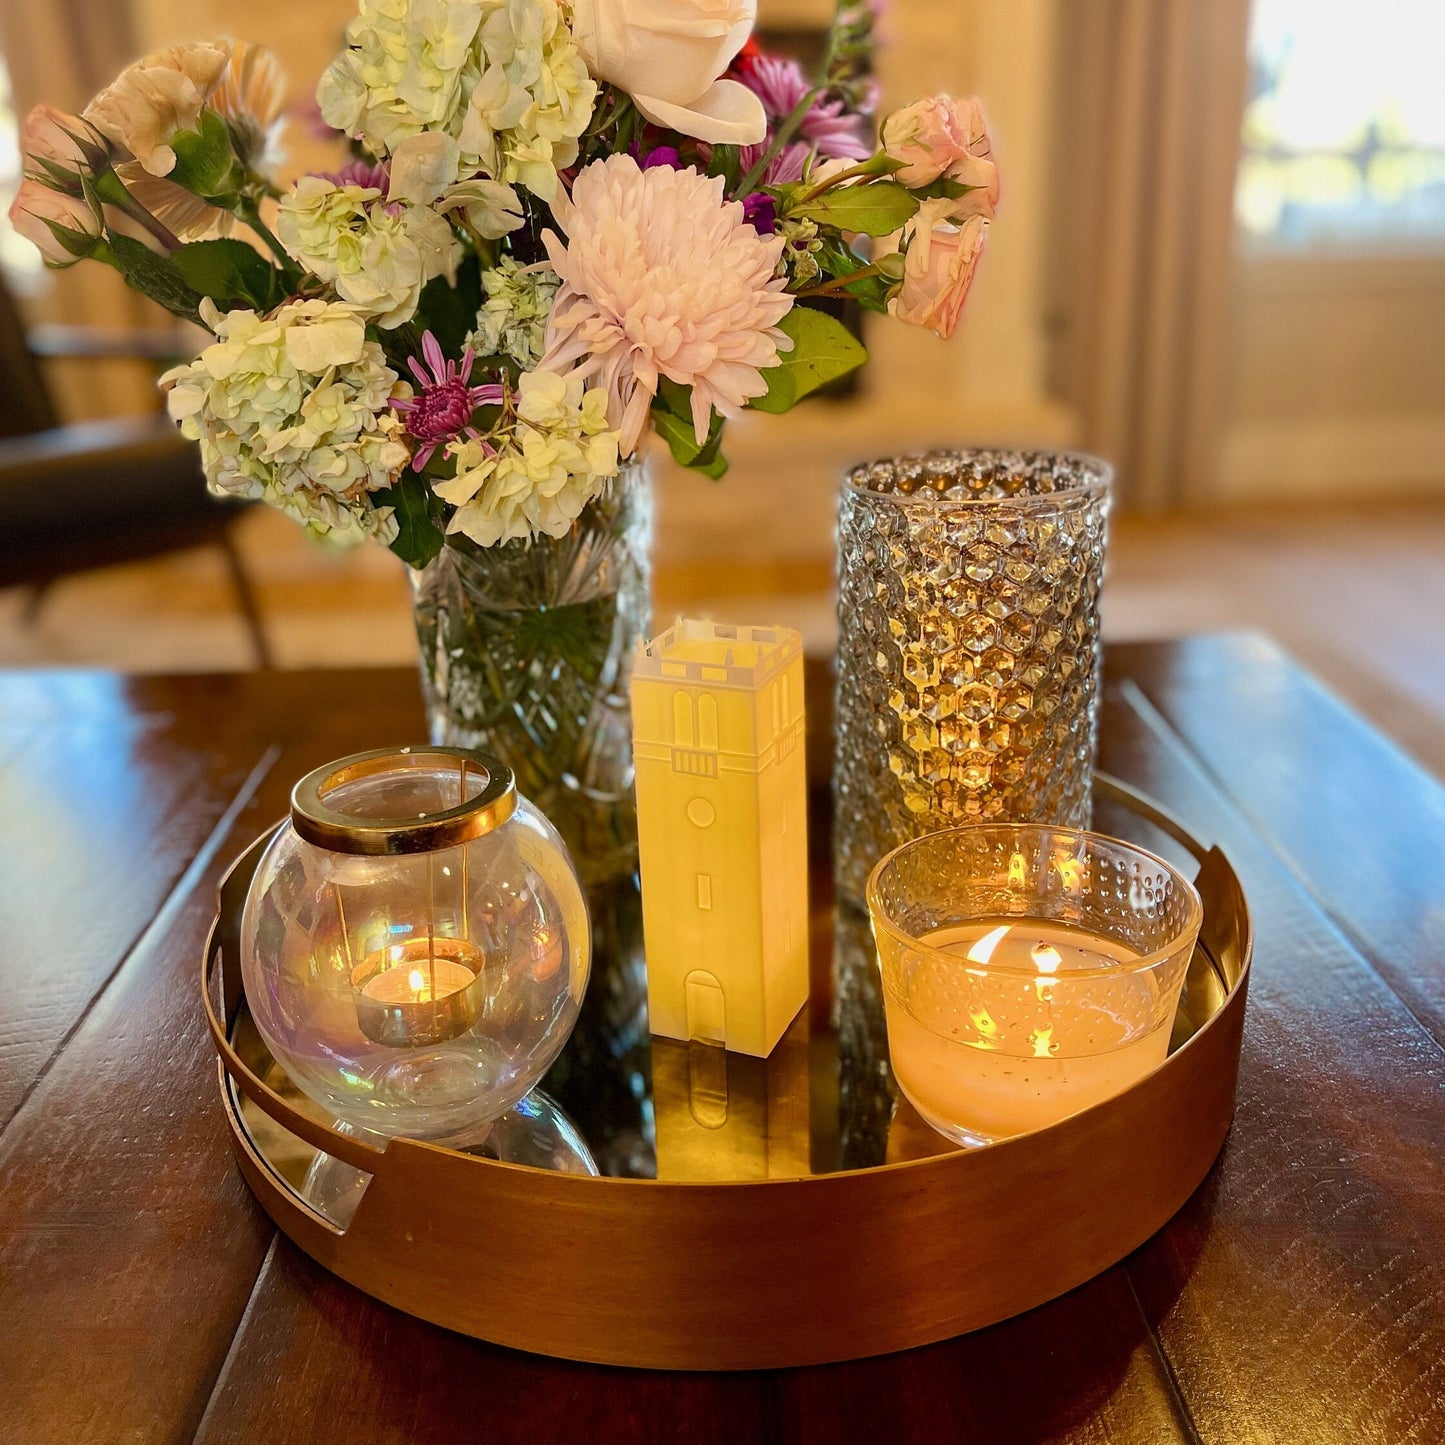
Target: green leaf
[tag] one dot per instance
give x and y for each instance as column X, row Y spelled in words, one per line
column 823, row 350
column 877, row 209
column 682, row 439
column 672, row 415
column 155, row 277
column 418, row 539
column 945, row 189
column 873, row 293
column 727, row 163
column 205, row 163
column 450, row 312
column 230, row 271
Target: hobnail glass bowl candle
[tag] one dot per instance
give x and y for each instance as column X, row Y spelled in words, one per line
column 1028, row 971
column 415, row 944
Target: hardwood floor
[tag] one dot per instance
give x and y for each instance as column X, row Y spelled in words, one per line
column 1356, row 594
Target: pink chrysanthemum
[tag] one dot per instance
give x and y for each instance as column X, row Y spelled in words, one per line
column 663, row 277
column 442, row 410
column 827, row 127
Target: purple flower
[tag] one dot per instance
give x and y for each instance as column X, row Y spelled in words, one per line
column 668, row 156
column 781, row 86
column 784, row 169
column 442, row 410
column 760, row 211
column 371, row 175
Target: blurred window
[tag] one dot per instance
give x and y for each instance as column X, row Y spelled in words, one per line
column 1344, row 133
column 18, row 258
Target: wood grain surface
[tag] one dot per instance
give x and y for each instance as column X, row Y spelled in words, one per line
column 1298, row 1297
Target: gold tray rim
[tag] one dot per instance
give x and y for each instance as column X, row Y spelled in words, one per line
column 893, row 1195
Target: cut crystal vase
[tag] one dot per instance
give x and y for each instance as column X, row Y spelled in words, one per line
column 526, row 651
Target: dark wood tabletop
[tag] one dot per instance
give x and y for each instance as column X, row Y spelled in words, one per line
column 144, row 1296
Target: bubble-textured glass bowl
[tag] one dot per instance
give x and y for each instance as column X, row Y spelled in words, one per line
column 415, row 944
column 968, row 650
column 1028, row 971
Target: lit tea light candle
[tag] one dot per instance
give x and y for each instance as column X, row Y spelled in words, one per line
column 424, row 991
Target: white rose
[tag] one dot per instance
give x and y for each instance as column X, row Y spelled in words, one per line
column 668, row 56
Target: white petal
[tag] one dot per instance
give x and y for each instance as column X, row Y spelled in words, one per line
column 727, row 114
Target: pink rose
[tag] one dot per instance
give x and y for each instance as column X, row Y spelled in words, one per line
column 64, row 228
column 939, row 267
column 62, row 149
column 945, row 137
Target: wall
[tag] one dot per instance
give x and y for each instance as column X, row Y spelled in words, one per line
column 1337, row 377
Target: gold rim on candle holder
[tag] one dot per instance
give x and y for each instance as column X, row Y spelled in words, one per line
column 338, row 832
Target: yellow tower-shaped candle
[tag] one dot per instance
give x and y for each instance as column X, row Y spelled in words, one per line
column 717, row 718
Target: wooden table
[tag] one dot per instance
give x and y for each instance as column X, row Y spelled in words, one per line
column 1299, row 1296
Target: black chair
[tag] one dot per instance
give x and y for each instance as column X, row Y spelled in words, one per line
column 77, row 497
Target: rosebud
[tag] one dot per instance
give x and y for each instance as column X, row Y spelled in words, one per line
column 63, row 150
column 65, row 228
column 943, row 137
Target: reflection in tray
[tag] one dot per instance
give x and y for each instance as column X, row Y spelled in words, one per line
column 624, row 1104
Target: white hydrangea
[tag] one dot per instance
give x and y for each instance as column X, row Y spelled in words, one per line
column 377, row 256
column 408, row 66
column 513, row 319
column 535, row 482
column 502, row 77
column 293, row 408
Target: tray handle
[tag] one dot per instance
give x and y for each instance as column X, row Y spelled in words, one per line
column 1227, row 932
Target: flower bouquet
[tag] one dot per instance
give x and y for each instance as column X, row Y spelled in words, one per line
column 562, row 227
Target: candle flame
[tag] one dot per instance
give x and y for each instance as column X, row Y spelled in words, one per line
column 983, row 949
column 1043, row 1043
column 1046, row 957
column 416, row 980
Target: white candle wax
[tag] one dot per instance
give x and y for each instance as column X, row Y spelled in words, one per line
column 986, row 1055
column 418, row 980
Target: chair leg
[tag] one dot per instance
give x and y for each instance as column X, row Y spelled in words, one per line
column 246, row 597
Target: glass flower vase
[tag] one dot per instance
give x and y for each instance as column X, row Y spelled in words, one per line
column 526, row 651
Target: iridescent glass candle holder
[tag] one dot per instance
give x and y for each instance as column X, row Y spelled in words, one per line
column 968, row 652
column 1028, row 972
column 415, row 943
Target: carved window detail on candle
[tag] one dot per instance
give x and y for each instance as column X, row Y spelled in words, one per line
column 683, row 732
column 704, row 892
column 702, row 814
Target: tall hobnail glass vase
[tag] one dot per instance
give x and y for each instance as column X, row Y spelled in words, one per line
column 526, row 651
column 968, row 651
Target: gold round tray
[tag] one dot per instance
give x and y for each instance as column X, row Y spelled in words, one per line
column 709, row 1211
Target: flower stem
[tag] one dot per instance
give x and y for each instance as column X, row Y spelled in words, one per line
column 786, row 132
column 113, row 191
column 250, row 212
column 875, row 165
column 839, row 284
